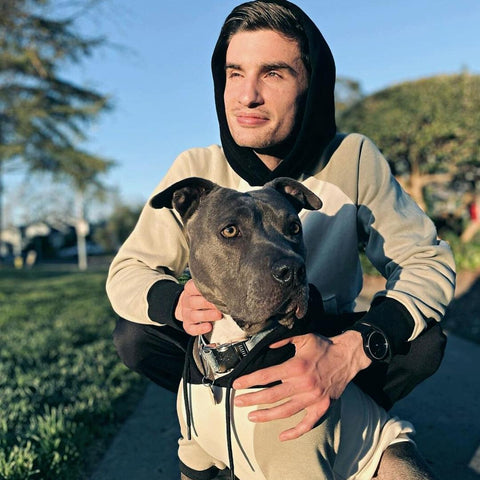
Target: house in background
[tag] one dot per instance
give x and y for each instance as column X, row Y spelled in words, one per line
column 41, row 241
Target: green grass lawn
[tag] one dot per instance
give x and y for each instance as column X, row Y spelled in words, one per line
column 63, row 390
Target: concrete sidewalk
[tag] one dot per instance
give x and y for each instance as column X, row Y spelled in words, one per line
column 445, row 410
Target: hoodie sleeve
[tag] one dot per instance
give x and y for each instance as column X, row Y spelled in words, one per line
column 402, row 243
column 142, row 283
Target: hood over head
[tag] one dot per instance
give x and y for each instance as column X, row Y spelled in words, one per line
column 317, row 126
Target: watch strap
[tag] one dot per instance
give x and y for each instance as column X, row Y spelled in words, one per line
column 367, row 330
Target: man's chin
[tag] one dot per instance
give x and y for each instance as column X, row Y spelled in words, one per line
column 264, row 146
column 256, row 144
column 256, row 138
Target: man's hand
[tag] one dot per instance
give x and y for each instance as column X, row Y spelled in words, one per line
column 195, row 312
column 318, row 373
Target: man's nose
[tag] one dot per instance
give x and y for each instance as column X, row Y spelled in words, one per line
column 250, row 94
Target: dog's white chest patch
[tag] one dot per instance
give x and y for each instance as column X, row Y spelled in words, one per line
column 225, row 330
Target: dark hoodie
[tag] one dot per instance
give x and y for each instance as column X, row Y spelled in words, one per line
column 317, row 127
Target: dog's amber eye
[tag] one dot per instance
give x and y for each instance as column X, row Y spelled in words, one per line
column 295, row 228
column 230, row 232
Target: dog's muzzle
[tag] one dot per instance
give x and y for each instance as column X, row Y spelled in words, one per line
column 222, row 359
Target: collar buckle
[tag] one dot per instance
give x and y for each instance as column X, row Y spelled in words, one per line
column 222, row 359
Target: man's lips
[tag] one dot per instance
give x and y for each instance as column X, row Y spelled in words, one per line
column 251, row 120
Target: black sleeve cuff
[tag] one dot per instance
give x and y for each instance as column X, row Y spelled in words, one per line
column 162, row 300
column 393, row 319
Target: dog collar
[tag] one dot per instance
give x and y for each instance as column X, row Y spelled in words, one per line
column 222, row 359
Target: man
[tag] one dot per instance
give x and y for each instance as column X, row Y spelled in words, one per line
column 274, row 79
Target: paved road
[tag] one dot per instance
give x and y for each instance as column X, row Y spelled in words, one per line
column 445, row 410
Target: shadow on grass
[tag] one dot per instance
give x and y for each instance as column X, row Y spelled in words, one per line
column 463, row 314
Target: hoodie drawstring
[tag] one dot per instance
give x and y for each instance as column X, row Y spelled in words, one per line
column 186, row 399
column 228, row 415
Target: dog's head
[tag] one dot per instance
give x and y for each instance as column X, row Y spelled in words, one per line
column 247, row 254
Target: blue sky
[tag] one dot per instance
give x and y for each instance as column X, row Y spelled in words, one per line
column 160, row 83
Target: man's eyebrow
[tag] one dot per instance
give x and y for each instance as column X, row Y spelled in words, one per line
column 266, row 67
column 277, row 66
column 232, row 66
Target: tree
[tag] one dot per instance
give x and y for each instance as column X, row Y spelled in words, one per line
column 427, row 129
column 347, row 93
column 117, row 227
column 43, row 116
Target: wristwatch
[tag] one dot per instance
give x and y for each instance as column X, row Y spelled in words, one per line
column 375, row 343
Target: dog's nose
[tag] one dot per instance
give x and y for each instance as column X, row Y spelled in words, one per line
column 286, row 271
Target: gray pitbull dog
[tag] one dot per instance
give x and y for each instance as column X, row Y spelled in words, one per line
column 247, row 257
column 253, row 240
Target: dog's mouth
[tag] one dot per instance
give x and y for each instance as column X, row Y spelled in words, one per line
column 294, row 309
column 291, row 310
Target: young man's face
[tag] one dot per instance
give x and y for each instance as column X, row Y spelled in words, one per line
column 265, row 82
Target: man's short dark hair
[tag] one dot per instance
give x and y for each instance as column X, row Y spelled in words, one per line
column 264, row 15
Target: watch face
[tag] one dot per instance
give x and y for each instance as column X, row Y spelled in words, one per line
column 378, row 345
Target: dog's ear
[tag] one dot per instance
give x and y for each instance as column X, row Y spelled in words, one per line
column 297, row 193
column 184, row 196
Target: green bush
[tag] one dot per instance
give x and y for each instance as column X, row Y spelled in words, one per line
column 467, row 255
column 62, row 386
